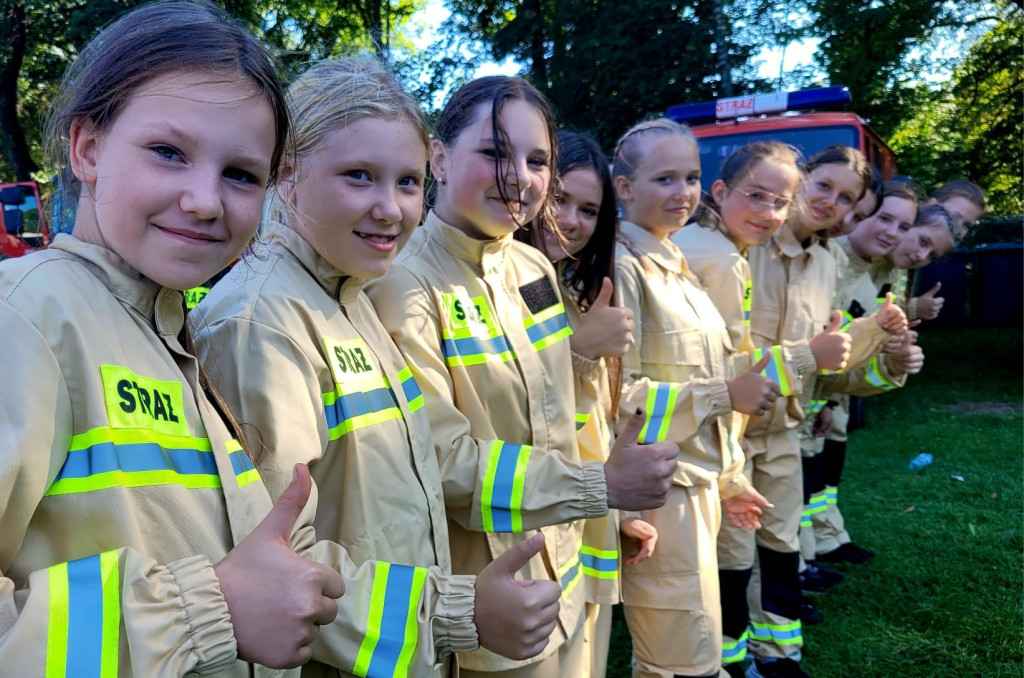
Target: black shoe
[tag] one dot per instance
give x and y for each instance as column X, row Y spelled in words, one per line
column 847, row 553
column 819, row 579
column 779, row 668
column 810, row 615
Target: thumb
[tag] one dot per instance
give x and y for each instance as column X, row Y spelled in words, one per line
column 278, row 523
column 604, row 297
column 631, row 433
column 888, row 302
column 837, row 321
column 762, row 363
column 516, row 558
column 932, row 292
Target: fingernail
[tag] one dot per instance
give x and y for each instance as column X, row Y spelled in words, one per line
column 639, row 411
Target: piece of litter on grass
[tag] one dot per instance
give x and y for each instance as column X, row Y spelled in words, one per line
column 908, row 509
column 970, row 526
column 957, row 478
column 994, row 495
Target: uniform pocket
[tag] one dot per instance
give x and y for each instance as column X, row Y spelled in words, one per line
column 764, row 323
column 674, row 347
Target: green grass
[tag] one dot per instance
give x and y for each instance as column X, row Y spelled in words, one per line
column 943, row 599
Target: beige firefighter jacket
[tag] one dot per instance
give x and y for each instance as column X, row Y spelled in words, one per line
column 601, row 552
column 796, row 283
column 858, row 296
column 678, row 366
column 120, row 483
column 482, row 326
column 298, row 353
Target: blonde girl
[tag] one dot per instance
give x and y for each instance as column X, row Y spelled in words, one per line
column 682, row 368
column 748, row 203
column 583, row 254
column 131, row 514
column 481, row 324
column 329, row 389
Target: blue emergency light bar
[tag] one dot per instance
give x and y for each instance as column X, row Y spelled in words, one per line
column 819, row 98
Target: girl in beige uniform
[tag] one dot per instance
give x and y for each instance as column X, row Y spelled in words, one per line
column 126, row 496
column 748, row 203
column 682, row 367
column 478, row 318
column 583, row 253
column 328, row 387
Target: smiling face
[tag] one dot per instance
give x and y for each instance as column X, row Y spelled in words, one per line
column 830, row 192
column 359, row 196
column 877, row 235
column 175, row 184
column 578, row 207
column 861, row 211
column 665, row 189
column 962, row 209
column 469, row 197
column 758, row 202
column 922, row 244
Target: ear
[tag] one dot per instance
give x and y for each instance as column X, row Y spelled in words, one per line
column 287, row 175
column 623, row 189
column 718, row 191
column 84, row 150
column 438, row 159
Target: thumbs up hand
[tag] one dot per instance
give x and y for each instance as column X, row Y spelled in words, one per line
column 277, row 598
column 831, row 348
column 515, row 618
column 909, row 358
column 891, row 317
column 606, row 330
column 639, row 476
column 752, row 392
column 929, row 305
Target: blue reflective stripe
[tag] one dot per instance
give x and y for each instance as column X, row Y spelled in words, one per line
column 780, row 634
column 736, row 650
column 598, row 563
column 240, row 462
column 656, row 416
column 831, row 495
column 546, row 328
column 504, row 480
column 467, row 347
column 570, row 574
column 85, row 612
column 412, row 392
column 394, row 618
column 107, row 456
column 818, row 503
column 356, row 404
column 805, row 518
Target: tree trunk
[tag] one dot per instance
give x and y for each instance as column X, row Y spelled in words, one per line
column 538, row 58
column 723, row 64
column 13, row 34
column 377, row 27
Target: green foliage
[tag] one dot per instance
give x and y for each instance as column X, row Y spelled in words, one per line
column 606, row 65
column 943, row 597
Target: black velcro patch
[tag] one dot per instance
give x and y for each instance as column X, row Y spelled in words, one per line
column 886, row 288
column 856, row 310
column 538, row 295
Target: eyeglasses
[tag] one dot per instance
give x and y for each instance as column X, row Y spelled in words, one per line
column 764, row 199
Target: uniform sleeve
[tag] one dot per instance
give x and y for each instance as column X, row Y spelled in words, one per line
column 587, row 375
column 675, row 411
column 537, row 487
column 868, row 379
column 81, row 617
column 391, row 616
column 866, row 339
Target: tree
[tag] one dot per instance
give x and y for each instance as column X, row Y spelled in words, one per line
column 606, row 64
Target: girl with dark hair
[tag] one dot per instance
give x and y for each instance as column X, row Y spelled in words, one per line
column 131, row 512
column 602, row 332
column 865, row 207
column 481, row 323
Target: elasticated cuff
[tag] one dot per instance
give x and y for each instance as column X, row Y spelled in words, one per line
column 594, row 497
column 454, row 626
column 799, row 357
column 209, row 624
column 718, row 396
column 584, row 367
column 729, row 487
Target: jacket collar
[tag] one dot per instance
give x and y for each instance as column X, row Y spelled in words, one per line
column 855, row 263
column 161, row 306
column 488, row 255
column 336, row 284
column 662, row 252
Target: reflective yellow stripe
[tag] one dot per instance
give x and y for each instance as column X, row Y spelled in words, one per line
column 776, row 368
column 83, row 630
column 600, row 563
column 747, row 301
column 501, row 496
column 57, row 625
column 570, row 573
column 875, row 378
column 245, row 471
column 392, row 630
column 581, row 420
column 110, row 570
column 547, row 327
column 661, row 405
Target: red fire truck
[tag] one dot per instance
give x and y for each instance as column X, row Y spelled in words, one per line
column 808, row 120
column 24, row 221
